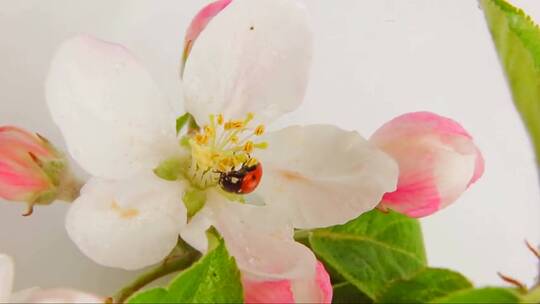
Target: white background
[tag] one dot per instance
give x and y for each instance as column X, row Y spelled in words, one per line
column 373, row 60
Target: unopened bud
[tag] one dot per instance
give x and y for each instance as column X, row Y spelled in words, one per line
column 31, row 169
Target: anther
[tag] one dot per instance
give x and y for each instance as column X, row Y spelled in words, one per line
column 234, row 124
column 248, row 147
column 201, row 138
column 209, row 130
column 259, row 130
column 221, row 147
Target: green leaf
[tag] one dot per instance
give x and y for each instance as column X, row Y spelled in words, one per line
column 373, row 250
column 517, row 39
column 533, row 296
column 345, row 292
column 213, row 279
column 482, row 295
column 428, row 285
column 156, row 295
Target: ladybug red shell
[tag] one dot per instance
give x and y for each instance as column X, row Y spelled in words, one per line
column 242, row 181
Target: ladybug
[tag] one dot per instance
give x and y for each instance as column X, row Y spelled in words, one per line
column 241, row 181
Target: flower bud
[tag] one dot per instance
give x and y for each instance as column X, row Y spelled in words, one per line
column 318, row 290
column 437, row 160
column 30, row 168
column 199, row 23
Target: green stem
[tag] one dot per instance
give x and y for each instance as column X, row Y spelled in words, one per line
column 182, row 257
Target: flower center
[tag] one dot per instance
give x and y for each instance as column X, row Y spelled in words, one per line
column 222, row 147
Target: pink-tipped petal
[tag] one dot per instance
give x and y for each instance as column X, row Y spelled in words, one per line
column 417, row 195
column 21, row 156
column 268, row 291
column 199, row 23
column 18, row 183
column 478, row 168
column 309, row 290
column 437, row 159
column 324, row 283
column 254, row 56
column 24, row 141
column 417, row 123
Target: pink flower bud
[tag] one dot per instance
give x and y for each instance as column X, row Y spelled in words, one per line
column 283, row 291
column 437, row 160
column 199, row 23
column 29, row 166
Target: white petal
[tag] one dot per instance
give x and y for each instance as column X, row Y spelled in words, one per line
column 254, row 56
column 321, row 175
column 194, row 233
column 7, row 271
column 260, row 239
column 56, row 295
column 128, row 224
column 112, row 116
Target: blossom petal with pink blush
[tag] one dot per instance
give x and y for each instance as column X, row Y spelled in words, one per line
column 21, row 178
column 198, row 24
column 324, row 283
column 254, row 56
column 127, row 224
column 259, row 238
column 268, row 291
column 315, row 289
column 20, row 141
column 111, row 113
column 7, row 272
column 320, row 175
column 437, row 159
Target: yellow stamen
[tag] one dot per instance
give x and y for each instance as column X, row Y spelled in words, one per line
column 249, row 117
column 201, row 139
column 262, row 145
column 223, row 146
column 248, row 146
column 210, row 131
column 259, row 130
column 234, row 124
